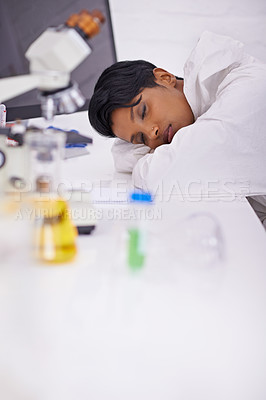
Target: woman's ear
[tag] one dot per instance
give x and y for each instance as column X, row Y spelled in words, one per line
column 163, row 77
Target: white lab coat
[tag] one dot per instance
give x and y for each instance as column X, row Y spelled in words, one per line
column 224, row 150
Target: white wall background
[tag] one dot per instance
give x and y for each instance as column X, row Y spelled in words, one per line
column 165, row 31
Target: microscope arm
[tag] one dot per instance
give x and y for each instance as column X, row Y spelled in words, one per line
column 52, row 58
column 16, row 85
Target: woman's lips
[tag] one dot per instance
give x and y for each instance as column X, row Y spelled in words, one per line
column 168, row 134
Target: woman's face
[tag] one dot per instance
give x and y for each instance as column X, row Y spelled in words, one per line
column 159, row 114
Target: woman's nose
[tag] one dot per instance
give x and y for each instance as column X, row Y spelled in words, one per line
column 153, row 132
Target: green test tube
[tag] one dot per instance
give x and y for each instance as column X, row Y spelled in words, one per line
column 137, row 234
column 136, row 248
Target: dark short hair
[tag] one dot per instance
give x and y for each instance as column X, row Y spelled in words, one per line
column 116, row 88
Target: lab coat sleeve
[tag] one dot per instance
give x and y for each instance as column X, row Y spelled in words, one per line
column 192, row 168
column 223, row 152
column 126, row 155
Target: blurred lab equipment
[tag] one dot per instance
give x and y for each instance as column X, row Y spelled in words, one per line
column 196, row 241
column 12, row 158
column 45, row 150
column 13, row 174
column 52, row 57
column 2, row 115
column 137, row 229
column 202, row 241
column 55, row 234
column 83, row 213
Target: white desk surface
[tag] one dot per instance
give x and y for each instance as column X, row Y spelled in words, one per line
column 92, row 330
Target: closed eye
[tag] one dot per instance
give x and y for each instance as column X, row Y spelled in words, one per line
column 143, row 111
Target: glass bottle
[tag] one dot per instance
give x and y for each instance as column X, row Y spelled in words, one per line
column 55, row 234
